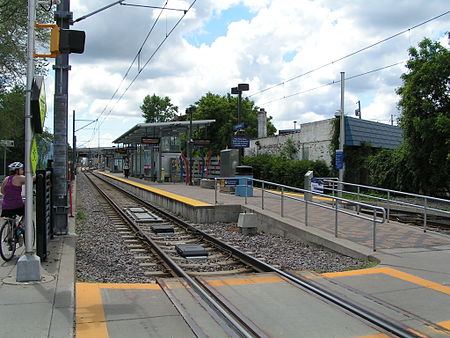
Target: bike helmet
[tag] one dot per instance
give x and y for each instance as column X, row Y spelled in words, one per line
column 15, row 165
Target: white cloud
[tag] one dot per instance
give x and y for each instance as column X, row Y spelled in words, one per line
column 281, row 40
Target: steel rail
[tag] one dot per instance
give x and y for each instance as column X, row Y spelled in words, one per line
column 354, row 308
column 242, row 331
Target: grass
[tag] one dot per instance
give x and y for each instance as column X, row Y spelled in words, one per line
column 367, row 265
column 80, row 215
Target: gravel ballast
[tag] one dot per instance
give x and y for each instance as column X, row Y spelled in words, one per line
column 102, row 256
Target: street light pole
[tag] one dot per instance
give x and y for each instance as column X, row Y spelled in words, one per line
column 238, row 90
column 29, row 265
column 190, row 111
column 342, row 133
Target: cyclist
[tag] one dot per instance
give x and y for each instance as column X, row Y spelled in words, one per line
column 11, row 189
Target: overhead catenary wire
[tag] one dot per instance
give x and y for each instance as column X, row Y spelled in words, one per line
column 97, row 129
column 350, row 54
column 134, row 60
column 333, row 83
column 167, row 35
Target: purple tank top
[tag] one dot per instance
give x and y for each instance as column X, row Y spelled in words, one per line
column 12, row 197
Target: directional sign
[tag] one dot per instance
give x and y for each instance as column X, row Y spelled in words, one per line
column 317, row 185
column 7, row 143
column 339, row 159
column 239, row 126
column 231, row 182
column 240, row 142
column 200, row 143
column 150, row 140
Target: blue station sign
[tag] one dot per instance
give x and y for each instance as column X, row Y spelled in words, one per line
column 240, row 142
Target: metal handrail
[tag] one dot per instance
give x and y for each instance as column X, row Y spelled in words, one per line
column 338, row 200
column 389, row 200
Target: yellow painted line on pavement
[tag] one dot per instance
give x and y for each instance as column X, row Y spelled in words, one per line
column 90, row 316
column 161, row 192
column 294, row 194
column 445, row 325
column 393, row 273
column 244, row 281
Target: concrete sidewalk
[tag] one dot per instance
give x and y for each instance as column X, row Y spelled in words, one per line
column 44, row 308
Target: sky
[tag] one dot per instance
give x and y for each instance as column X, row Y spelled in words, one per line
column 290, row 52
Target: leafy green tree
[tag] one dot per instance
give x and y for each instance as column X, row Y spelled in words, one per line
column 13, row 37
column 388, row 169
column 158, row 109
column 288, row 150
column 223, row 109
column 425, row 117
column 12, row 122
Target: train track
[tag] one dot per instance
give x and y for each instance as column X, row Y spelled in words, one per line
column 157, row 238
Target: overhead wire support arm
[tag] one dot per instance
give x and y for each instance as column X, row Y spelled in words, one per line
column 154, row 7
column 87, row 125
column 97, row 11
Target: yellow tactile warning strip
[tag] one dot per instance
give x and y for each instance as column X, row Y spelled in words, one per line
column 400, row 275
column 393, row 273
column 249, row 280
column 90, row 317
column 294, row 194
column 179, row 198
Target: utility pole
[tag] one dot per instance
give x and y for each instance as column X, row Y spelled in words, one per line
column 74, row 152
column 29, row 265
column 190, row 111
column 342, row 134
column 63, row 16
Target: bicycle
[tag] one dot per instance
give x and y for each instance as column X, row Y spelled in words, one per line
column 12, row 234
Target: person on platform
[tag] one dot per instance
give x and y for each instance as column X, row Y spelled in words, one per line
column 126, row 169
column 11, row 189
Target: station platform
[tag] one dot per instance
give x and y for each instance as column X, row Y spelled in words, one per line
column 45, row 308
column 410, row 285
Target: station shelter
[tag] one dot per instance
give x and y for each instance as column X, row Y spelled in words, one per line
column 150, row 149
column 113, row 158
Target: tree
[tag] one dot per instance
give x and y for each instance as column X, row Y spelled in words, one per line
column 13, row 37
column 12, row 121
column 425, row 117
column 158, row 109
column 223, row 109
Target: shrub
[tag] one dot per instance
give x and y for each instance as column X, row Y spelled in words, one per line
column 281, row 170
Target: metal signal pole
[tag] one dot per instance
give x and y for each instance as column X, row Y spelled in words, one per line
column 63, row 16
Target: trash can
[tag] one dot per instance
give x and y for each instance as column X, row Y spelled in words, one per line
column 244, row 187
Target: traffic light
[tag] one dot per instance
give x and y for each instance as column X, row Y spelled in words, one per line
column 71, row 41
column 63, row 41
column 66, row 41
column 54, row 40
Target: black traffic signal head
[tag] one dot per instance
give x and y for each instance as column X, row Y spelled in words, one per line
column 71, row 41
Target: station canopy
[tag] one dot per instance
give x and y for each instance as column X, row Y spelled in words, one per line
column 159, row 129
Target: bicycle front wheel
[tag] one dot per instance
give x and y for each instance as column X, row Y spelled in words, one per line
column 8, row 243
